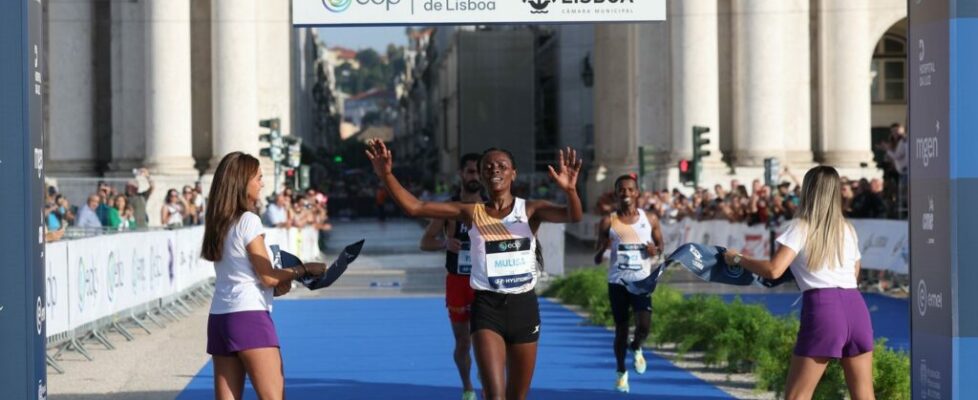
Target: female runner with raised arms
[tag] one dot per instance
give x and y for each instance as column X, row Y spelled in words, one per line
column 505, row 316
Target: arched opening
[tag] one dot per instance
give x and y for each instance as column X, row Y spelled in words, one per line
column 888, row 90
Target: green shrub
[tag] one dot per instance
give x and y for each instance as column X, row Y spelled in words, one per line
column 891, row 372
column 772, row 365
column 582, row 286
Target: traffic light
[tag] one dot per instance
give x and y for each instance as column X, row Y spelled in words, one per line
column 700, row 152
column 290, row 178
column 686, row 175
column 293, row 145
column 276, row 149
column 772, row 172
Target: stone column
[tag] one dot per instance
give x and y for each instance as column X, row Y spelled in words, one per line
column 71, row 88
column 796, row 60
column 759, row 100
column 274, row 56
column 128, row 87
column 845, row 50
column 234, row 80
column 695, row 75
column 615, row 109
column 629, row 108
column 168, row 117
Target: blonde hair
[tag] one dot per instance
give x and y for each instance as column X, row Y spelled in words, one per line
column 821, row 212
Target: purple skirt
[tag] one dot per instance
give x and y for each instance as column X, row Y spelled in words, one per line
column 834, row 324
column 230, row 333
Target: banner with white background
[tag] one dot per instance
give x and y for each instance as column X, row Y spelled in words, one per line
column 89, row 279
column 472, row 12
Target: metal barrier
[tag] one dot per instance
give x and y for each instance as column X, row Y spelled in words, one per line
column 114, row 284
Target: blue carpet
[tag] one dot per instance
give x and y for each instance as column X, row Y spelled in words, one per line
column 891, row 317
column 401, row 349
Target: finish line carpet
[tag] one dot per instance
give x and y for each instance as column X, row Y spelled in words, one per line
column 401, row 348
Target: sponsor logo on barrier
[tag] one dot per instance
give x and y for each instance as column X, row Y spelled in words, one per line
column 927, row 300
column 39, row 315
column 171, row 260
column 114, row 279
column 139, row 277
column 42, row 390
column 155, row 268
column 87, row 284
column 51, row 292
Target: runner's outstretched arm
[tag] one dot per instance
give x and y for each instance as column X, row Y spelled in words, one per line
column 381, row 159
column 565, row 176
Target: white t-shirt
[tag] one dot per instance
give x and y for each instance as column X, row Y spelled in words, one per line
column 237, row 287
column 843, row 277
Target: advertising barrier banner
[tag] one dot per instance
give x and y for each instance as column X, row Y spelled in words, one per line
column 89, row 279
column 56, row 288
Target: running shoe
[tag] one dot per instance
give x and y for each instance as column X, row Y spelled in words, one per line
column 621, row 385
column 639, row 359
column 468, row 395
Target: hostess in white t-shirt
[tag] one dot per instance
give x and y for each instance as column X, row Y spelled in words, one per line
column 843, row 276
column 237, row 287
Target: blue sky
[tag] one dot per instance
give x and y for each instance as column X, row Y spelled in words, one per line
column 359, row 38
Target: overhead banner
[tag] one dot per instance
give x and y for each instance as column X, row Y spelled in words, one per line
column 472, row 12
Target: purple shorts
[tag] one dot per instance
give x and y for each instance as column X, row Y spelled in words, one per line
column 834, row 324
column 230, row 333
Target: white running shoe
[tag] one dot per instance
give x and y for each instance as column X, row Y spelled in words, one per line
column 621, row 385
column 469, row 395
column 639, row 362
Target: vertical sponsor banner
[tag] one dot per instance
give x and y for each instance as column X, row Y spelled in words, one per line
column 931, row 232
column 22, row 297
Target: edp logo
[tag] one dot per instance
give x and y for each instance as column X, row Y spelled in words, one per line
column 339, row 6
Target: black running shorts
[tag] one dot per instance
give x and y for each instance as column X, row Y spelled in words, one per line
column 515, row 317
column 621, row 300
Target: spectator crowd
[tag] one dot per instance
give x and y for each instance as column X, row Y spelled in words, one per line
column 760, row 204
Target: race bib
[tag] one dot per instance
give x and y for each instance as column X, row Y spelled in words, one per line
column 465, row 259
column 631, row 257
column 510, row 263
